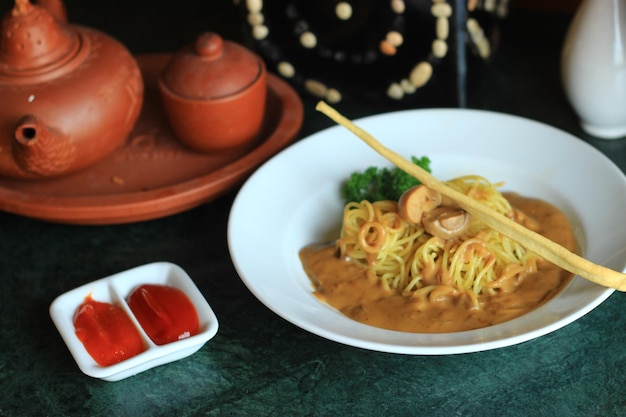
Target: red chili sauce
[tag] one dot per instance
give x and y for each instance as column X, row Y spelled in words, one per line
column 165, row 313
column 107, row 332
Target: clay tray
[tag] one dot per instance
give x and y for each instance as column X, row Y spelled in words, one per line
column 152, row 175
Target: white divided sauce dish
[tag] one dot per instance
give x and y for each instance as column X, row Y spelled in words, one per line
column 115, row 289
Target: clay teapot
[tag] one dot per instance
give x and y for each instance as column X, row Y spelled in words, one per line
column 70, row 94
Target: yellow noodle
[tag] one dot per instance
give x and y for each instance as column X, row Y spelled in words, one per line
column 408, row 259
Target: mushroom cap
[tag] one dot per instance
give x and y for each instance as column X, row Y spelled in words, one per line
column 446, row 222
column 416, row 201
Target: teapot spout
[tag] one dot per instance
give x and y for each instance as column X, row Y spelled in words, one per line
column 40, row 149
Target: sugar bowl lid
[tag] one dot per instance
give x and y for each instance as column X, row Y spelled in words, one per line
column 211, row 68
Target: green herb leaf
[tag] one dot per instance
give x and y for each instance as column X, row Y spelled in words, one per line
column 375, row 184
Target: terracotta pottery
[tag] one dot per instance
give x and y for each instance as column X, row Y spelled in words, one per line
column 70, row 94
column 214, row 93
column 55, row 7
column 153, row 175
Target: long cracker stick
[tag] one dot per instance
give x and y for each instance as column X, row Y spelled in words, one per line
column 533, row 241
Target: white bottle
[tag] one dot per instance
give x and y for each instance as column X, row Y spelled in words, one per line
column 593, row 67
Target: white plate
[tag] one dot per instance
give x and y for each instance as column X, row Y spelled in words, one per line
column 294, row 200
column 115, row 289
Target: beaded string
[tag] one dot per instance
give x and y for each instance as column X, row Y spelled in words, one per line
column 420, row 74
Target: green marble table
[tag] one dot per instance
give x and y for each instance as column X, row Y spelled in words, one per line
column 261, row 365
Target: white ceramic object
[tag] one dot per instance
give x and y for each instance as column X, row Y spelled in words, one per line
column 115, row 289
column 593, row 67
column 294, row 200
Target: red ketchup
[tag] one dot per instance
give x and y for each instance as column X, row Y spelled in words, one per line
column 107, row 332
column 165, row 313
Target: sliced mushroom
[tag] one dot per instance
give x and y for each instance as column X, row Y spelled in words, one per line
column 416, row 201
column 446, row 222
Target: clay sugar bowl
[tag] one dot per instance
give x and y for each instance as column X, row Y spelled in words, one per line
column 214, row 94
column 70, row 94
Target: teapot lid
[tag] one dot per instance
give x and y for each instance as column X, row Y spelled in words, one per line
column 32, row 40
column 211, row 68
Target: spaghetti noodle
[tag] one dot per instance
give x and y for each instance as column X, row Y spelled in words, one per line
column 408, row 259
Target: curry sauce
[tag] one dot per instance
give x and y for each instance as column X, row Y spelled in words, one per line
column 360, row 295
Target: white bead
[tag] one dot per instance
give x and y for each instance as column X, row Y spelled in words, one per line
column 308, row 40
column 395, row 91
column 260, row 32
column 286, row 69
column 407, row 87
column 421, row 74
column 255, row 19
column 398, row 6
column 440, row 48
column 254, row 6
column 333, row 96
column 441, row 10
column 395, row 38
column 343, row 10
column 316, row 88
column 443, row 28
